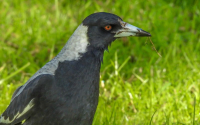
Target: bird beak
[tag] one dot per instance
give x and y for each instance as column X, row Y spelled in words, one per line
column 130, row 30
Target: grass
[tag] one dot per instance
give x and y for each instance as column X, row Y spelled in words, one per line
column 137, row 86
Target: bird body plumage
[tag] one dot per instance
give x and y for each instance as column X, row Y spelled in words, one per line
column 65, row 91
column 76, row 95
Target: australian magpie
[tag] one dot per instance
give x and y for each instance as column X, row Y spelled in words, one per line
column 65, row 91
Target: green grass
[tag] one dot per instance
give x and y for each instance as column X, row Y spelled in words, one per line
column 137, row 86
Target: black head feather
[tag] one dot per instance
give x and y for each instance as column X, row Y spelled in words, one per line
column 98, row 37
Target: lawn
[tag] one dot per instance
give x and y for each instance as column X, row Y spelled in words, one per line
column 137, row 86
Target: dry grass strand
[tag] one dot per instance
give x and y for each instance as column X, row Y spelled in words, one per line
column 153, row 47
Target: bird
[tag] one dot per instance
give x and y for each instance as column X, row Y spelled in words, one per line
column 65, row 90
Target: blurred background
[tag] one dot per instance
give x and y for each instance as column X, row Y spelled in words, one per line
column 137, row 86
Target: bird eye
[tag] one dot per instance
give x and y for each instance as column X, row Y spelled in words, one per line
column 108, row 27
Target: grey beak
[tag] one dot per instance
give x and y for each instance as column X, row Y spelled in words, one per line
column 130, row 30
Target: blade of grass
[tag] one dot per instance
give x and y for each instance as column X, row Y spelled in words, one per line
column 152, row 117
column 15, row 73
column 194, row 110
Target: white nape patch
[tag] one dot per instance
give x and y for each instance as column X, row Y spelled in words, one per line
column 76, row 44
column 18, row 115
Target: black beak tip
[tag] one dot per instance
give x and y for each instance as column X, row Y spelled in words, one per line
column 143, row 33
column 149, row 35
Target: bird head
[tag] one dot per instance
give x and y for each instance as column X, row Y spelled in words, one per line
column 104, row 28
column 95, row 34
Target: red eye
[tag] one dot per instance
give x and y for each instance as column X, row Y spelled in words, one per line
column 108, row 27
